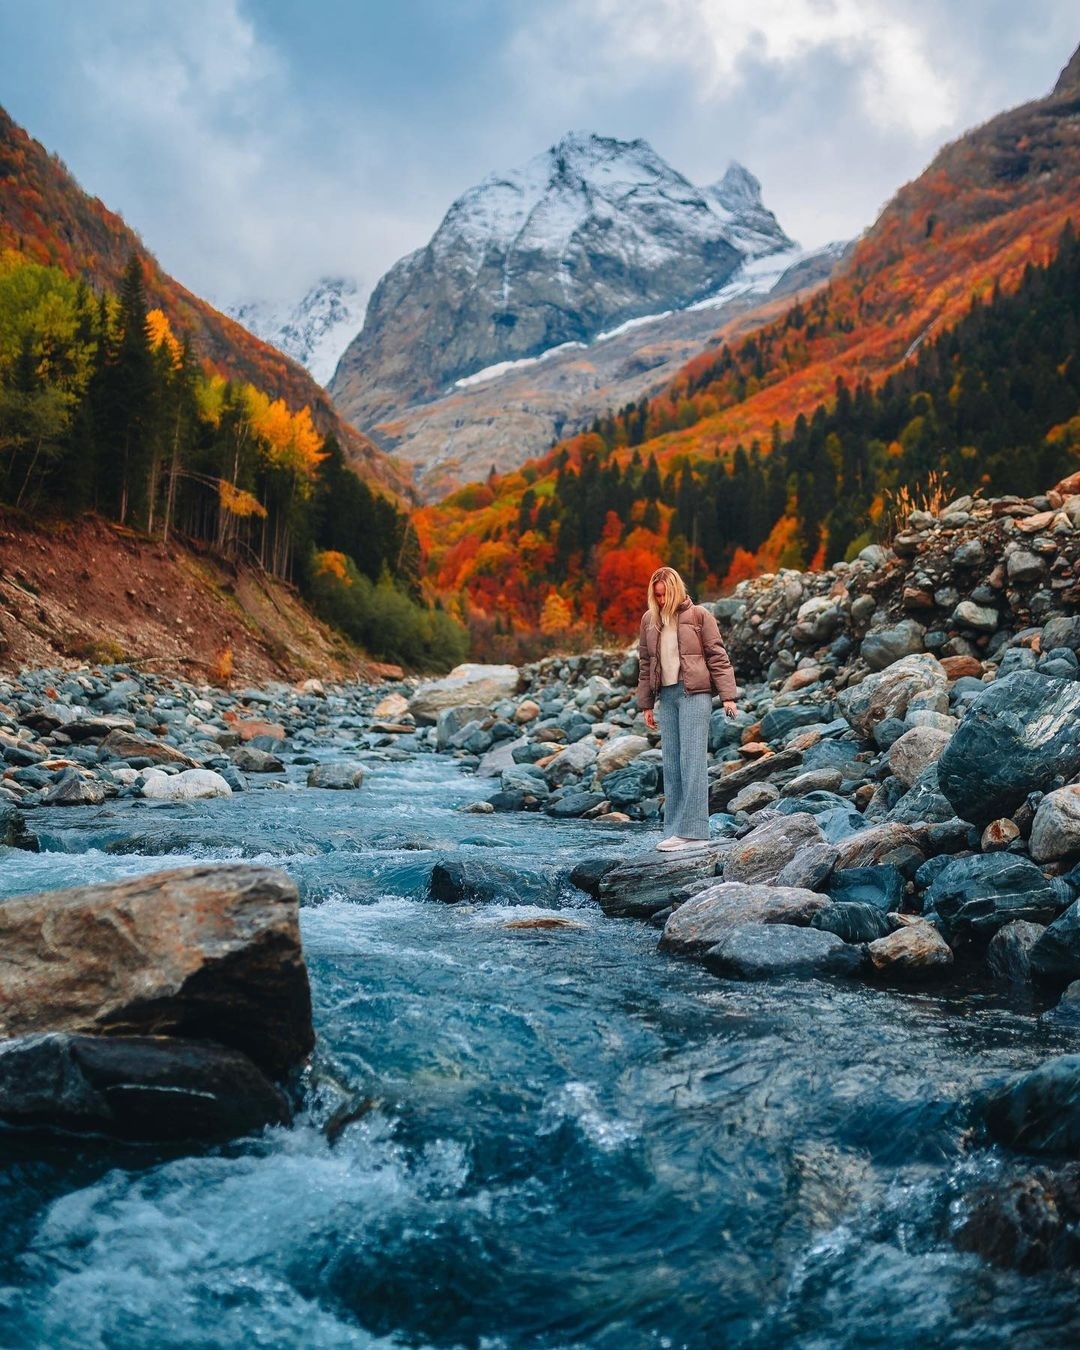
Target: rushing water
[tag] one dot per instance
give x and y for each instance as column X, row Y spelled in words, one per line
column 558, row 1137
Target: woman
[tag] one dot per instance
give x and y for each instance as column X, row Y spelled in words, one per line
column 682, row 664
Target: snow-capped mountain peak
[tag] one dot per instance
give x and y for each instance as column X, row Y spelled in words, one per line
column 314, row 331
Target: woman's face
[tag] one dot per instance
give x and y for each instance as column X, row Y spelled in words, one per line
column 659, row 591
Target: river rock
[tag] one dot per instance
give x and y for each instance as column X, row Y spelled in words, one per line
column 753, row 797
column 888, row 645
column 888, row 693
column 764, row 952
column 13, row 831
column 882, row 886
column 1028, row 1223
column 569, row 764
column 762, row 854
column 190, row 785
column 724, row 786
column 130, row 745
column 587, row 874
column 573, row 804
column 912, row 949
column 641, row 887
column 455, row 880
column 451, row 721
column 148, row 1088
column 1066, row 1012
column 1009, row 952
column 854, row 921
column 390, row 709
column 809, row 868
column 72, row 789
column 1038, row 1112
column 249, row 759
column 998, row 835
column 1056, row 955
column 469, row 683
column 698, row 923
column 336, row 777
column 1015, row 738
column 923, row 802
column 618, row 752
column 880, row 844
column 978, row 895
column 630, row 784
column 914, row 751
column 1055, row 832
column 204, row 952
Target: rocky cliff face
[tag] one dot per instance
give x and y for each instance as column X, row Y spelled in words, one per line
column 588, row 235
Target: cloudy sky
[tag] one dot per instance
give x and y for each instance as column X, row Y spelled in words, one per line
column 258, row 144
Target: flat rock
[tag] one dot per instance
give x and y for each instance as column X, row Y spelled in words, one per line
column 469, row 683
column 1016, row 738
column 697, row 924
column 120, row 744
column 762, row 854
column 641, row 887
column 148, row 1088
column 205, row 952
column 764, row 952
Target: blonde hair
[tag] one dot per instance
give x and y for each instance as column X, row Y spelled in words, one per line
column 676, row 594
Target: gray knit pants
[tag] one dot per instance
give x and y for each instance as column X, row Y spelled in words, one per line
column 684, row 740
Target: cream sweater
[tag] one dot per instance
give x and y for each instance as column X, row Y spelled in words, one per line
column 669, row 653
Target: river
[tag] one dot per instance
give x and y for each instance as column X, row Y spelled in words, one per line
column 554, row 1138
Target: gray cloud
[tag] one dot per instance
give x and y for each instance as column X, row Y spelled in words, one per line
column 256, row 146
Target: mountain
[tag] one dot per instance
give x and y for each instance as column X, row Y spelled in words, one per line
column 589, row 235
column 940, row 359
column 47, row 218
column 314, row 331
column 513, row 412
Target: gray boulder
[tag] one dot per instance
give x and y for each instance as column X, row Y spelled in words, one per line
column 1016, row 738
column 764, row 952
column 762, row 854
column 147, row 1088
column 1009, row 952
column 479, row 685
column 888, row 693
column 888, row 645
column 698, row 923
column 1039, row 1112
column 628, row 785
column 976, row 896
column 335, row 777
column 853, row 921
column 250, row 759
column 1056, row 955
column 642, row 887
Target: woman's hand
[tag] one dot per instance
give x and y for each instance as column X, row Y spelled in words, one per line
column 731, row 708
column 650, row 719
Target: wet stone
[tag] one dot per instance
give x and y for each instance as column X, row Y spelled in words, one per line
column 772, row 951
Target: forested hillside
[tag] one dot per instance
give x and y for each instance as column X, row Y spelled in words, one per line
column 947, row 343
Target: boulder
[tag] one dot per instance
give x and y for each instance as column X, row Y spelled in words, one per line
column 573, row 804
column 205, row 952
column 809, row 868
column 1009, row 952
column 916, row 749
column 762, row 854
column 190, row 785
column 1056, row 955
column 249, row 759
column 641, row 887
column 390, row 709
column 148, row 1088
column 888, row 693
column 976, row 896
column 760, row 952
column 1055, row 832
column 450, row 721
column 853, row 921
column 572, row 763
column 1038, row 1112
column 889, row 645
column 1029, row 1223
column 72, row 789
column 882, row 886
column 913, row 949
column 885, row 843
column 697, row 925
column 120, row 744
column 923, row 802
column 470, row 683
column 455, row 880
column 13, row 831
column 1017, row 737
column 336, row 777
column 724, row 786
column 630, row 784
column 618, row 752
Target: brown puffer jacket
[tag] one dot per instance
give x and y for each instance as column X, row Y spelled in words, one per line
column 704, row 667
